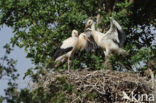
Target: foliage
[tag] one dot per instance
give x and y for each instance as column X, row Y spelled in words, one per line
column 76, row 87
column 1, row 99
column 9, row 72
column 56, row 94
column 7, row 65
column 39, row 27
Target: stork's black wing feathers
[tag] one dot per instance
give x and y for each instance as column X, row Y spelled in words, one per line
column 121, row 34
column 60, row 51
column 122, row 37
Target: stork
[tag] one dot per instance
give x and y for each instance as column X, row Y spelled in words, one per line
column 111, row 41
column 86, row 42
column 66, row 50
column 69, row 46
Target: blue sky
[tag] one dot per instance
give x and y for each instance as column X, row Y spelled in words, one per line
column 17, row 54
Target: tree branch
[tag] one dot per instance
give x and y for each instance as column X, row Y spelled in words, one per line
column 98, row 18
column 152, row 77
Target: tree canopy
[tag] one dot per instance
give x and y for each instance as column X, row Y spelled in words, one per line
column 39, row 26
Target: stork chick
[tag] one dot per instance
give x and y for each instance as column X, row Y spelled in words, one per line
column 69, row 46
column 112, row 40
column 66, row 50
column 82, row 42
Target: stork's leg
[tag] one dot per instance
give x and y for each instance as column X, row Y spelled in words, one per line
column 121, row 51
column 106, row 56
column 69, row 64
column 107, row 63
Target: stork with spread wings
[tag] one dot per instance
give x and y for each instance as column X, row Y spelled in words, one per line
column 112, row 41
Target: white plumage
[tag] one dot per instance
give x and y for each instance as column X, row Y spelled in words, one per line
column 82, row 42
column 69, row 46
column 66, row 50
column 112, row 40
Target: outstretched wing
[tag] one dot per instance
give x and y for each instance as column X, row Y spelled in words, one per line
column 116, row 32
column 121, row 33
column 91, row 45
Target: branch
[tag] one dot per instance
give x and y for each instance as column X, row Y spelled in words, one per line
column 98, row 18
column 152, row 77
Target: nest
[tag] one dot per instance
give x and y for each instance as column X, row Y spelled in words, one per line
column 100, row 86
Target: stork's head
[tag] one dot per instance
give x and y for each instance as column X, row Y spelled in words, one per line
column 83, row 36
column 75, row 33
column 89, row 23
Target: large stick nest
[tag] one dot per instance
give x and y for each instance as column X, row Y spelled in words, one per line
column 100, row 86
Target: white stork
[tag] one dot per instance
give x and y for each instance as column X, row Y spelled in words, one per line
column 112, row 40
column 69, row 46
column 66, row 50
column 85, row 42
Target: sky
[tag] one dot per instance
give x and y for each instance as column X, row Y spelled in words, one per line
column 17, row 54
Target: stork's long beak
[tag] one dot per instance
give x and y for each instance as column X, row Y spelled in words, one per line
column 87, row 39
column 88, row 29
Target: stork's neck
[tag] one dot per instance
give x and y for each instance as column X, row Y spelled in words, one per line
column 95, row 36
column 93, row 26
column 81, row 44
